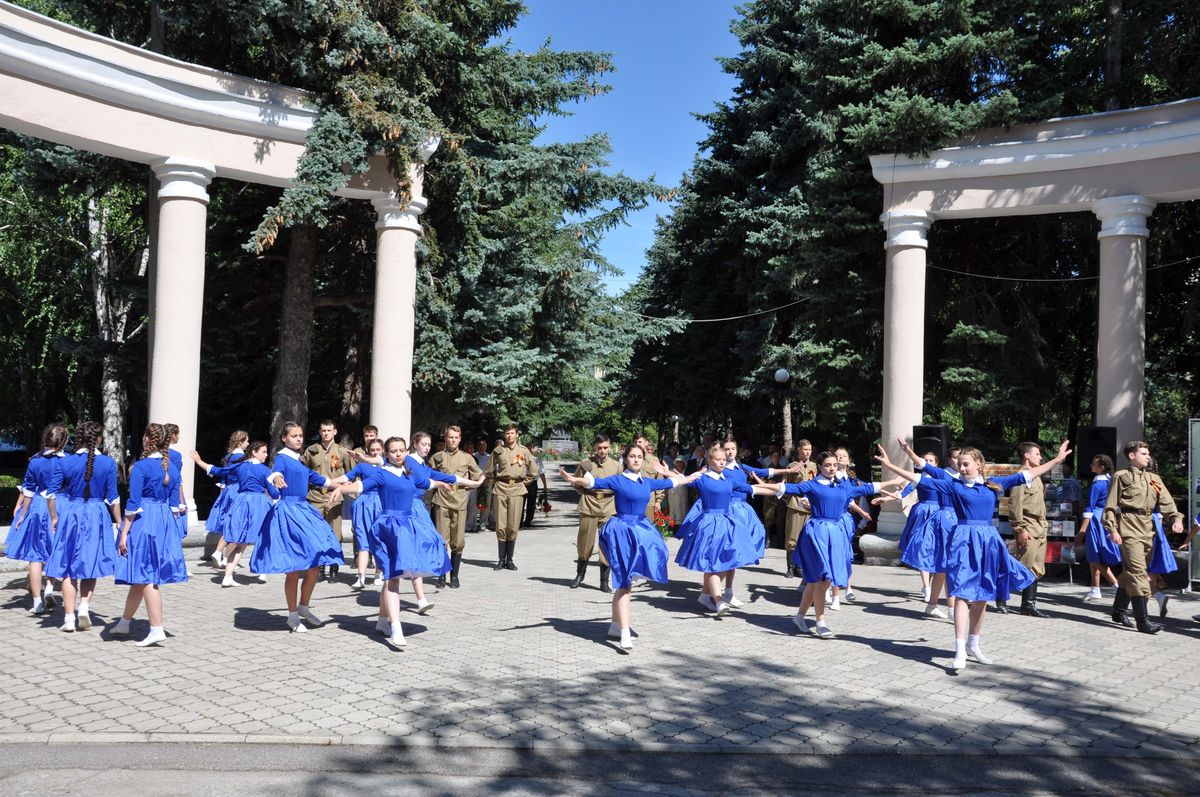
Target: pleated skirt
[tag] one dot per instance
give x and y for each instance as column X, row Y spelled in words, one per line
column 294, row 537
column 979, row 566
column 634, row 549
column 84, row 545
column 29, row 538
column 155, row 549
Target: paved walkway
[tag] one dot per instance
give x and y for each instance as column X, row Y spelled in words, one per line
column 518, row 660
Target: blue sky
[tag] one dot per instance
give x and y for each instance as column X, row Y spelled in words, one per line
column 664, row 52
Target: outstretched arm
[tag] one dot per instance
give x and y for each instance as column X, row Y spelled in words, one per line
column 1064, row 450
column 883, row 459
column 908, row 449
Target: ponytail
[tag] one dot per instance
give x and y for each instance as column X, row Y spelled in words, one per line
column 86, row 434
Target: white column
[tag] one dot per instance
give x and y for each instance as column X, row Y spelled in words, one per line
column 903, row 338
column 179, row 300
column 1121, row 320
column 395, row 295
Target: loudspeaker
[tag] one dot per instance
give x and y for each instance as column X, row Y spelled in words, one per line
column 1093, row 440
column 935, row 438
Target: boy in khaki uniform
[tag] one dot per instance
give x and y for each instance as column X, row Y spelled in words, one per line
column 450, row 507
column 595, row 507
column 511, row 470
column 652, row 468
column 330, row 460
column 1027, row 516
column 1133, row 495
column 798, row 509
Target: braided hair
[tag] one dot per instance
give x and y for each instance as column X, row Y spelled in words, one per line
column 977, row 455
column 54, row 437
column 154, row 440
column 238, row 439
column 87, row 435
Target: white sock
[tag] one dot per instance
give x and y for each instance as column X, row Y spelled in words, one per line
column 83, row 608
column 124, row 622
column 68, row 618
column 155, row 629
column 972, row 640
column 960, row 647
column 294, row 617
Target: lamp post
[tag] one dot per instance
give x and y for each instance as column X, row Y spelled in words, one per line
column 784, row 379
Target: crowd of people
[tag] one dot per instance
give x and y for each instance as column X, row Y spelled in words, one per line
column 287, row 508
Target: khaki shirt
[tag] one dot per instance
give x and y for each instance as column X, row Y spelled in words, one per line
column 512, row 469
column 460, row 464
column 795, row 503
column 598, row 503
column 1027, row 508
column 1133, row 495
column 329, row 462
column 651, row 467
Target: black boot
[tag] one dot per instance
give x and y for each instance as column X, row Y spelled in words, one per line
column 1029, row 602
column 580, row 573
column 440, row 583
column 1139, row 613
column 499, row 556
column 790, row 570
column 323, row 574
column 604, row 586
column 333, row 572
column 508, row 552
column 1001, row 606
column 1120, row 610
column 455, row 563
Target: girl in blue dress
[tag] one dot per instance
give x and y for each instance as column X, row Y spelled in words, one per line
column 979, row 567
column 294, row 538
column 363, row 514
column 176, row 459
column 85, row 546
column 31, row 534
column 928, row 530
column 402, row 547
column 822, row 550
column 218, row 517
column 244, row 518
column 632, row 546
column 150, row 550
column 1102, row 552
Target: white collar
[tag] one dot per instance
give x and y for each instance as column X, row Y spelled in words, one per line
column 731, row 464
column 95, row 451
column 287, row 452
column 971, row 482
column 713, row 475
column 155, row 455
column 52, row 452
column 633, row 477
column 417, row 457
column 238, row 451
column 395, row 471
column 823, row 480
column 1102, row 477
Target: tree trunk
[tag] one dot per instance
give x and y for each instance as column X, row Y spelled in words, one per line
column 787, row 428
column 1112, row 55
column 111, row 312
column 290, row 398
column 352, row 377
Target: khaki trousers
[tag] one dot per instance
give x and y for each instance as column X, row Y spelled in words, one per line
column 585, row 543
column 1033, row 554
column 1136, row 549
column 451, row 524
column 506, row 512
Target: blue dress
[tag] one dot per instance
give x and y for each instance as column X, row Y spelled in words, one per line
column 155, row 549
column 978, row 564
column 365, row 510
column 823, row 551
column 181, row 515
column 631, row 544
column 402, row 547
column 217, row 521
column 422, row 474
column 85, row 545
column 30, row 538
column 1100, row 549
column 244, row 521
column 741, row 508
column 926, row 534
column 714, row 539
column 294, row 536
column 1162, row 559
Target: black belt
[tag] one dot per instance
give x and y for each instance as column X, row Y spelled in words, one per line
column 508, row 479
column 1141, row 512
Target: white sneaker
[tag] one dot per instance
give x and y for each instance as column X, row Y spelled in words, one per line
column 262, row 579
column 155, row 636
column 936, row 611
column 378, row 581
column 84, row 620
column 382, row 626
column 925, row 593
column 297, row 625
column 732, row 601
column 800, row 623
column 38, row 608
column 614, row 631
column 424, row 606
column 228, row 581
column 1162, row 599
column 307, row 614
column 960, row 661
column 67, row 626
column 1092, row 596
column 358, row 584
column 626, row 640
column 397, row 639
column 51, row 598
column 836, row 604
column 722, row 609
column 850, row 597
column 828, row 594
column 120, row 629
column 977, row 654
column 823, row 631
column 707, row 602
